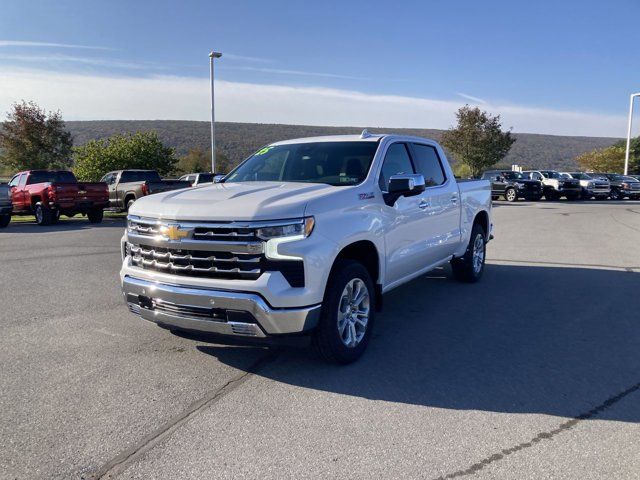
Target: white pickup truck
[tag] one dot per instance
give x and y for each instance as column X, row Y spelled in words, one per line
column 305, row 236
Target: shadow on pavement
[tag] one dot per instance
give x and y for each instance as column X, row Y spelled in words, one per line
column 64, row 225
column 547, row 340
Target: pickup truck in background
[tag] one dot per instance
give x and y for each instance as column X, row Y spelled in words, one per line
column 621, row 186
column 555, row 185
column 47, row 194
column 126, row 186
column 5, row 205
column 512, row 185
column 197, row 179
column 592, row 187
column 304, row 237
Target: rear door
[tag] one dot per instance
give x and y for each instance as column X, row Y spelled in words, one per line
column 405, row 237
column 16, row 193
column 442, row 215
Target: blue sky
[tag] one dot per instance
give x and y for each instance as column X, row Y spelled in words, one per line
column 549, row 67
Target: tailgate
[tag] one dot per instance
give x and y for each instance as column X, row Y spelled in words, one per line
column 95, row 191
column 166, row 185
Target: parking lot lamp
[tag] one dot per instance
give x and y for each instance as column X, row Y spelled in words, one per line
column 213, row 55
column 626, row 155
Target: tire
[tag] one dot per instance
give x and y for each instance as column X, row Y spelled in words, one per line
column 4, row 220
column 43, row 215
column 615, row 194
column 469, row 268
column 95, row 215
column 551, row 195
column 129, row 203
column 510, row 195
column 55, row 217
column 337, row 345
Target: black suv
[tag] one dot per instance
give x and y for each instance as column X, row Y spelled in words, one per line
column 512, row 185
column 621, row 186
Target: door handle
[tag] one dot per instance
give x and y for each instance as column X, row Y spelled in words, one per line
column 454, row 198
column 423, row 204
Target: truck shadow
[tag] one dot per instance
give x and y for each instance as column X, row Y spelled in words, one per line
column 64, row 225
column 526, row 339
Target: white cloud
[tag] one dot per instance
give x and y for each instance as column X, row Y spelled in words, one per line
column 21, row 43
column 56, row 59
column 92, row 97
column 281, row 71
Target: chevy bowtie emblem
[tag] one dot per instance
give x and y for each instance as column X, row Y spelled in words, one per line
column 173, row 232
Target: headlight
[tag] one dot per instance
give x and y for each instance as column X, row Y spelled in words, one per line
column 625, row 185
column 519, row 184
column 297, row 228
column 591, row 184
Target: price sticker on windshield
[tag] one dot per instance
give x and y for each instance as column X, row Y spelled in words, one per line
column 262, row 151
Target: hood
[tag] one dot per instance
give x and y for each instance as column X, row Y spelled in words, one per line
column 242, row 201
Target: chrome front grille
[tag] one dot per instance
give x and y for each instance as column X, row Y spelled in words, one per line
column 196, row 263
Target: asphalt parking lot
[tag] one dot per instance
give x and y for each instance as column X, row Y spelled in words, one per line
column 532, row 373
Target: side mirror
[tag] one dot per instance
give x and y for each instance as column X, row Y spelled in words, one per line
column 218, row 178
column 404, row 185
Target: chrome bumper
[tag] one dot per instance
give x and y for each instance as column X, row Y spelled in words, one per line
column 216, row 311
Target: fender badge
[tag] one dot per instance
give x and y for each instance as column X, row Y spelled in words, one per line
column 366, row 196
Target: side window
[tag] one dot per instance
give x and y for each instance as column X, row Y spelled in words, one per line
column 396, row 161
column 126, row 177
column 14, row 181
column 23, row 179
column 428, row 164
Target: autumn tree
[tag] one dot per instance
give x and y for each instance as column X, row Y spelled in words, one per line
column 477, row 140
column 606, row 160
column 32, row 139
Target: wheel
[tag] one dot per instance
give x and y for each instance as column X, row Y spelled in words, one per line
column 95, row 215
column 347, row 316
column 4, row 220
column 615, row 194
column 551, row 195
column 129, row 203
column 469, row 267
column 43, row 215
column 510, row 195
column 55, row 216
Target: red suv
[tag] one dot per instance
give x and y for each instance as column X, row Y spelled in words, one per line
column 49, row 193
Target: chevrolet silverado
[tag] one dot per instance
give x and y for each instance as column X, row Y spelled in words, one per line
column 304, row 237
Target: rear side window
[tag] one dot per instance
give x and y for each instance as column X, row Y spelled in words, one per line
column 139, row 176
column 14, row 181
column 396, row 161
column 428, row 164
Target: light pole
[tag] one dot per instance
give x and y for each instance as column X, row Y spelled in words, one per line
column 626, row 155
column 213, row 55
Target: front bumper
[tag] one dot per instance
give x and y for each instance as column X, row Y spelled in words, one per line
column 216, row 311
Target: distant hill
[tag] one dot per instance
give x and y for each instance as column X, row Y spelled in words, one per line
column 239, row 140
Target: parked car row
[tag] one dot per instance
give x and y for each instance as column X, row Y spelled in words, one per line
column 552, row 185
column 49, row 194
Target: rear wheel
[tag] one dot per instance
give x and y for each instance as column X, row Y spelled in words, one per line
column 4, row 220
column 469, row 267
column 43, row 215
column 129, row 203
column 615, row 194
column 510, row 195
column 347, row 316
column 95, row 215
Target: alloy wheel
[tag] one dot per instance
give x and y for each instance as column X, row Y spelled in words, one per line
column 353, row 312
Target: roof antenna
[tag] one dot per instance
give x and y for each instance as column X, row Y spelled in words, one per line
column 365, row 134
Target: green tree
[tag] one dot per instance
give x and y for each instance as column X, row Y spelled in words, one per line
column 139, row 150
column 477, row 140
column 605, row 160
column 197, row 160
column 634, row 154
column 30, row 139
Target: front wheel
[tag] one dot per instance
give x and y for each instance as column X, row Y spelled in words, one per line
column 615, row 194
column 347, row 316
column 469, row 267
column 4, row 220
column 510, row 195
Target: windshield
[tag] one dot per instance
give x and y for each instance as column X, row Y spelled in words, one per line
column 580, row 176
column 61, row 176
column 333, row 163
column 549, row 174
